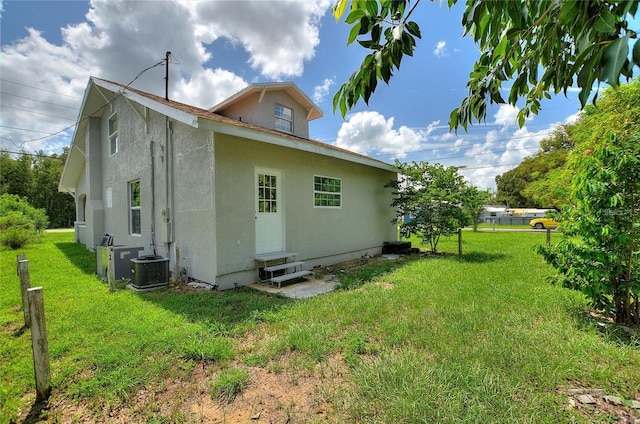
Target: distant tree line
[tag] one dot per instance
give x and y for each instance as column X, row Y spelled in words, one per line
column 35, row 178
column 544, row 179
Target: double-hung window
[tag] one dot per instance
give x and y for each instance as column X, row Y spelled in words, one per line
column 135, row 224
column 284, row 119
column 113, row 134
column 327, row 192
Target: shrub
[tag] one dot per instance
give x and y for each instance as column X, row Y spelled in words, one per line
column 16, row 230
column 12, row 203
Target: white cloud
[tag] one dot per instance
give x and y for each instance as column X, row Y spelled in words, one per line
column 279, row 35
column 507, row 115
column 571, row 119
column 119, row 38
column 441, row 49
column 369, row 132
column 321, row 91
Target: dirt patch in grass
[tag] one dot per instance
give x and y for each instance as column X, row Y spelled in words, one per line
column 270, row 397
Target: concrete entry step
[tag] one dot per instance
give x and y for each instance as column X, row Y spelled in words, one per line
column 292, row 276
column 283, row 266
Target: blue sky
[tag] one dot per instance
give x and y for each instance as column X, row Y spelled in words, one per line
column 51, row 48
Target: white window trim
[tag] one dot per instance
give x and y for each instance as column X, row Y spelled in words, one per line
column 281, row 118
column 113, row 134
column 132, row 208
column 327, row 192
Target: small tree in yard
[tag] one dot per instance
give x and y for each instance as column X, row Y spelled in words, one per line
column 600, row 251
column 474, row 203
column 428, row 201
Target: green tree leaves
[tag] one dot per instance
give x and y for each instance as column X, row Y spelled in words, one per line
column 36, row 178
column 544, row 179
column 391, row 36
column 598, row 254
column 538, row 47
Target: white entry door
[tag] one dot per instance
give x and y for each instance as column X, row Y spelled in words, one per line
column 269, row 211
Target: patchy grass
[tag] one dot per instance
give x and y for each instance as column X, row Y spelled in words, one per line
column 229, row 383
column 104, row 346
column 477, row 338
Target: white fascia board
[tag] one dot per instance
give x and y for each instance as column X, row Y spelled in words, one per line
column 301, row 145
column 171, row 112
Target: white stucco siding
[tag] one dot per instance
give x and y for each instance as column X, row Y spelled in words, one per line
column 131, row 162
column 319, row 236
column 194, row 191
column 362, row 222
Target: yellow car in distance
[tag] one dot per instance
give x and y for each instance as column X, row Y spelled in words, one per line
column 542, row 223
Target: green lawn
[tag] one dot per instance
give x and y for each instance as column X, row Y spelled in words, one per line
column 477, row 338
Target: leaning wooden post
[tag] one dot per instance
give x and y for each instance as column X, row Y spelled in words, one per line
column 25, row 283
column 40, row 345
column 459, row 241
column 548, row 235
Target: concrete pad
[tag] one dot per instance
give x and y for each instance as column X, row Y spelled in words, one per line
column 302, row 290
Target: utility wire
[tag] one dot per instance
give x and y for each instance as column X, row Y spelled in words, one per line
column 162, row 62
column 36, row 100
column 37, row 113
column 461, row 145
column 38, row 88
column 22, row 129
column 31, row 154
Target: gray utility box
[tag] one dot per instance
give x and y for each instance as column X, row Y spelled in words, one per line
column 149, row 271
column 113, row 261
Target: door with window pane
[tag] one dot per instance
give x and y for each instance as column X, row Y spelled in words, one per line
column 269, row 214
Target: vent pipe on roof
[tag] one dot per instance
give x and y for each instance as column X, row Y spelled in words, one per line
column 166, row 75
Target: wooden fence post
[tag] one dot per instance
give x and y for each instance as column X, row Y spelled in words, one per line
column 39, row 344
column 459, row 241
column 548, row 235
column 19, row 257
column 25, row 283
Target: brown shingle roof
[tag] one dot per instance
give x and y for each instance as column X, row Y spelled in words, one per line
column 212, row 116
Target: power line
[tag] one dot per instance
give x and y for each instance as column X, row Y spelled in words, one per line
column 36, row 100
column 461, row 145
column 489, row 166
column 485, row 153
column 32, row 154
column 37, row 113
column 38, row 88
column 25, row 129
column 162, row 62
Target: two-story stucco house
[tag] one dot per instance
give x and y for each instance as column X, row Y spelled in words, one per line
column 213, row 189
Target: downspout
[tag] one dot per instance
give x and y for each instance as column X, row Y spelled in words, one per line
column 169, row 186
column 153, row 199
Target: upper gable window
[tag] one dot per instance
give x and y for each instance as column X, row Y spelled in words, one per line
column 284, row 119
column 113, row 134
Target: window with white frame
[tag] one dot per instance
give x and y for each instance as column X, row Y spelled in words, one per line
column 135, row 223
column 113, row 134
column 327, row 192
column 284, row 119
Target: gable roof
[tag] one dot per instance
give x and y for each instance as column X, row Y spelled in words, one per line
column 100, row 93
column 313, row 111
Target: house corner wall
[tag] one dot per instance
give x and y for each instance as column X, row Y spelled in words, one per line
column 94, row 208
